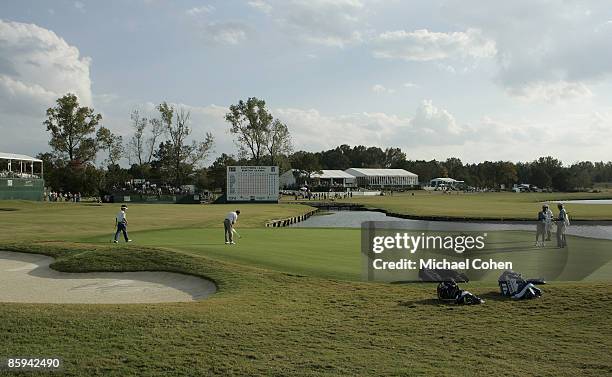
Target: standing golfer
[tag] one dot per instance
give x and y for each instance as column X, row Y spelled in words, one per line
column 562, row 223
column 121, row 221
column 228, row 225
column 541, row 227
column 549, row 220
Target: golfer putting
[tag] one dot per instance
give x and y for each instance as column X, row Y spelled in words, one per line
column 121, row 222
column 228, row 225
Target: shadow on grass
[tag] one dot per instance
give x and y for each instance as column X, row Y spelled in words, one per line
column 489, row 296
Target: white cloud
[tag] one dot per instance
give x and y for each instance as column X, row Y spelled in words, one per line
column 551, row 91
column 410, row 85
column 425, row 45
column 554, row 51
column 380, row 89
column 79, row 5
column 204, row 9
column 429, row 126
column 229, row 33
column 37, row 66
column 260, row 5
column 334, row 23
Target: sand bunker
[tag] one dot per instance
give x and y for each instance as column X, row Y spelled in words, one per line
column 28, row 278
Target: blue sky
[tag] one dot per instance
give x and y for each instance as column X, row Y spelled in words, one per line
column 473, row 79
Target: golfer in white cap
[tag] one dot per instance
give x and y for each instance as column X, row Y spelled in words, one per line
column 228, row 225
column 121, row 221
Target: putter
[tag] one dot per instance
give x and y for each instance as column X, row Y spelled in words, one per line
column 236, row 232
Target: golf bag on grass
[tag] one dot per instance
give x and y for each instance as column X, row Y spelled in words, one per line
column 513, row 285
column 449, row 291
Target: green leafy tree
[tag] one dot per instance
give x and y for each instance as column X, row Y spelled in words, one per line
column 72, row 129
column 307, row 163
column 249, row 122
column 217, row 172
column 258, row 134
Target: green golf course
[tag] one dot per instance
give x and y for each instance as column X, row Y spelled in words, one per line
column 492, row 205
column 290, row 302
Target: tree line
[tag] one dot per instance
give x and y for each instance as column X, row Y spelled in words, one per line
column 161, row 148
column 544, row 172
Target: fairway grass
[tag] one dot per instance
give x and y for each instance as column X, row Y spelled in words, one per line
column 485, row 206
column 288, row 304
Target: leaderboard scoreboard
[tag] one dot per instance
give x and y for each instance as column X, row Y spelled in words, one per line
column 252, row 184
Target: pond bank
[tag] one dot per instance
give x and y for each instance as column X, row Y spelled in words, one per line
column 341, row 206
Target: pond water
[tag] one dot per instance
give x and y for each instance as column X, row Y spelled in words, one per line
column 353, row 219
column 586, row 201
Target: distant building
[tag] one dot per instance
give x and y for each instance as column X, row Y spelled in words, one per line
column 383, row 177
column 21, row 177
column 333, row 178
column 445, row 183
column 287, row 179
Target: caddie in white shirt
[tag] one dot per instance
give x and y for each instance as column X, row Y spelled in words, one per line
column 228, row 225
column 122, row 222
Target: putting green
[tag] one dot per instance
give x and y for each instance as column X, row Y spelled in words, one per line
column 336, row 252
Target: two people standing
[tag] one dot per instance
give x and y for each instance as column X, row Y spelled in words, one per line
column 544, row 226
column 228, row 225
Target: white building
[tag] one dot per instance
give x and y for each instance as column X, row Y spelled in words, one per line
column 287, row 179
column 444, row 183
column 333, row 178
column 383, row 177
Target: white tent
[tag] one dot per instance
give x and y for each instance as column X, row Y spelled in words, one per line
column 26, row 164
column 384, row 177
column 334, row 178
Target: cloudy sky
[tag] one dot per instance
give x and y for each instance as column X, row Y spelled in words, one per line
column 475, row 79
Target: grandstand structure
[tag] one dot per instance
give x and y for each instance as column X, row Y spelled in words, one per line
column 21, row 177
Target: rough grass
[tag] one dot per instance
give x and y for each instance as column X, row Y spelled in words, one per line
column 268, row 323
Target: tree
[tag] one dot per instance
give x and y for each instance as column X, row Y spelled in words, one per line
column 72, row 128
column 278, row 141
column 394, row 157
column 136, row 144
column 250, row 122
column 334, row 159
column 111, row 144
column 141, row 145
column 257, row 133
column 306, row 163
column 182, row 156
column 217, row 172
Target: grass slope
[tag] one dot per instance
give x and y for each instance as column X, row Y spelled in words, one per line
column 274, row 324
